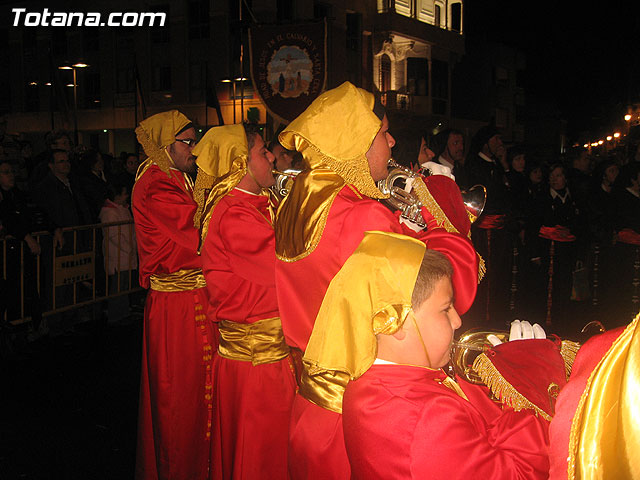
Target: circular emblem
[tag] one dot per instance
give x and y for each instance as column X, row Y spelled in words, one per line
column 289, row 72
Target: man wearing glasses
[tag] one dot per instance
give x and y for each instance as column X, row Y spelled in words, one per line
column 175, row 388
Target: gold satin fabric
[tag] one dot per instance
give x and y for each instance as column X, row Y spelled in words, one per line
column 222, row 157
column 605, row 434
column 317, row 189
column 180, row 281
column 370, row 295
column 260, row 342
column 333, row 135
column 325, row 389
column 156, row 133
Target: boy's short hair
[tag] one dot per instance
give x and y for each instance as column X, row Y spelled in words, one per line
column 435, row 266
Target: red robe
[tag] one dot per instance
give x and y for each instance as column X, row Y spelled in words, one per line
column 252, row 403
column 316, row 444
column 587, row 359
column 400, row 422
column 175, row 387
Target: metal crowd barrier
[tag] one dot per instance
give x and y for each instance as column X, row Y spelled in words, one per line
column 62, row 279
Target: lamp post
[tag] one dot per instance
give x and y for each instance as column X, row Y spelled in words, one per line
column 74, row 68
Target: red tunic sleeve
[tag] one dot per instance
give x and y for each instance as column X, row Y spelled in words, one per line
column 238, row 259
column 163, row 213
column 452, row 441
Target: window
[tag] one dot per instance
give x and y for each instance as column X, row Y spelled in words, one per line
column 199, row 19
column 91, row 89
column 58, row 42
column 436, row 16
column 456, row 17
column 125, row 81
column 197, row 78
column 32, row 99
column 385, row 73
column 354, row 47
column 418, row 76
column 440, row 83
column 161, row 78
column 321, row 10
column 161, row 34
column 90, row 40
column 284, row 10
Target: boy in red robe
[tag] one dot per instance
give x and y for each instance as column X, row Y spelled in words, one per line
column 254, row 380
column 387, row 325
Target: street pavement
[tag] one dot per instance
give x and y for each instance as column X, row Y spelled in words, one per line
column 69, row 403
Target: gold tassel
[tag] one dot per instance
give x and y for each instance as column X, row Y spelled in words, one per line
column 203, row 184
column 502, row 389
column 569, row 350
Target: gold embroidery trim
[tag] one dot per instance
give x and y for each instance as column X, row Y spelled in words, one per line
column 180, row 281
column 259, row 342
column 568, row 351
column 502, row 389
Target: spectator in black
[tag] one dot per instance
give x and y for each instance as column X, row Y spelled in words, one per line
column 517, row 179
column 93, row 181
column 601, row 218
column 54, row 140
column 561, row 223
column 627, row 246
column 493, row 233
column 579, row 178
column 16, row 228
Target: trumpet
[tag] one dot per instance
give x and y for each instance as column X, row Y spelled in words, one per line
column 284, row 181
column 471, row 344
column 398, row 186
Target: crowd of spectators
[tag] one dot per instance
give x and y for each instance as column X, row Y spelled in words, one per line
column 63, row 186
column 559, row 236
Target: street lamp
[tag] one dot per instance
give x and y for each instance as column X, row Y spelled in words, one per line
column 74, row 67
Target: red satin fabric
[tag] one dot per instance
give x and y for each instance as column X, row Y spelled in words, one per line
column 558, row 233
column 629, row 236
column 491, row 222
column 252, row 403
column 175, row 403
column 400, row 423
column 316, row 444
column 163, row 213
column 560, row 430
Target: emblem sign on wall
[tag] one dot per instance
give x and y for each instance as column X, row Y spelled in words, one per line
column 288, row 66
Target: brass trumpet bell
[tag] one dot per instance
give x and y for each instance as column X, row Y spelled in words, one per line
column 471, row 344
column 474, row 200
column 284, row 181
column 402, row 197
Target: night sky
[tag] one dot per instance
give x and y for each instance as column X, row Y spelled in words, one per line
column 584, row 59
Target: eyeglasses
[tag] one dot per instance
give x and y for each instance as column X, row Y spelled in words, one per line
column 190, row 142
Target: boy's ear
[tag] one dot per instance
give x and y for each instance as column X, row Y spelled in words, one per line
column 400, row 334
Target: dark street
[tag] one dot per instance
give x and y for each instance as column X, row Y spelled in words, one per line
column 69, row 404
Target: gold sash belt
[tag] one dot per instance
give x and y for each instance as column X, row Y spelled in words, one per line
column 260, row 342
column 325, row 389
column 180, row 281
